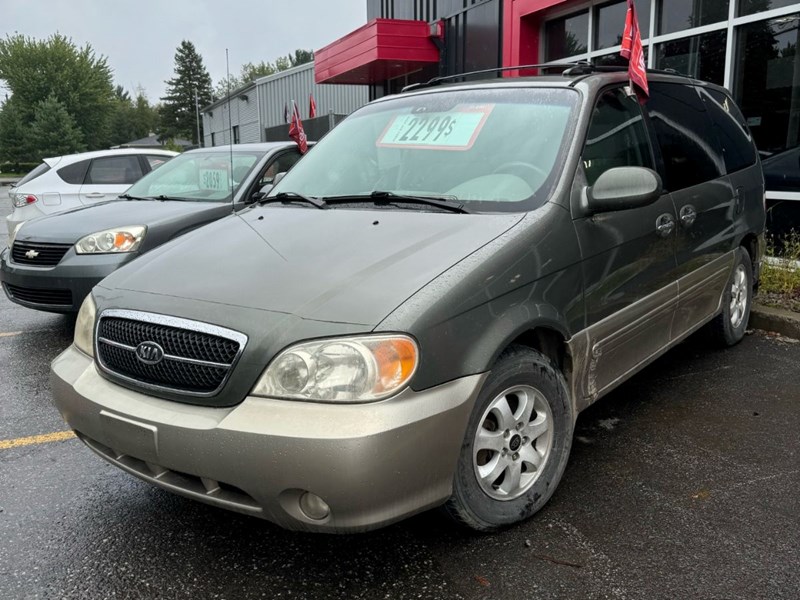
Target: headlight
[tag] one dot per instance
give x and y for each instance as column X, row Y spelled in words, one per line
column 14, row 233
column 120, row 239
column 351, row 369
column 84, row 326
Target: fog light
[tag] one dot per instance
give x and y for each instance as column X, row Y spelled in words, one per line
column 314, row 507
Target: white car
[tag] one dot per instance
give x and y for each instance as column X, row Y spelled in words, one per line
column 66, row 182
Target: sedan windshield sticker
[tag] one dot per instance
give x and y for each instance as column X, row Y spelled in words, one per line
column 453, row 130
column 214, row 179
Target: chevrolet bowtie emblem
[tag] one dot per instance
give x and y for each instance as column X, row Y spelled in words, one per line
column 31, row 254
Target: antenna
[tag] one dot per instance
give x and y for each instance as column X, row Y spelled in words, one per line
column 230, row 126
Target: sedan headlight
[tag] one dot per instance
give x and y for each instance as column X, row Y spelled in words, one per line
column 84, row 326
column 120, row 239
column 351, row 369
column 14, row 233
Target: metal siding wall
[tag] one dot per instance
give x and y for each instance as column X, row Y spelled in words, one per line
column 270, row 96
column 482, row 48
column 249, row 133
column 420, row 10
column 297, row 85
column 374, row 9
column 245, row 115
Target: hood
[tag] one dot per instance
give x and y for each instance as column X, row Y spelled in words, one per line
column 337, row 265
column 69, row 226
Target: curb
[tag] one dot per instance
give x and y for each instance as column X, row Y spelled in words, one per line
column 777, row 320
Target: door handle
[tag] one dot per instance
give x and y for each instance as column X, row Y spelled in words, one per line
column 665, row 225
column 95, row 195
column 688, row 215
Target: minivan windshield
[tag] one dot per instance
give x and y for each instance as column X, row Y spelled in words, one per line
column 487, row 149
column 200, row 176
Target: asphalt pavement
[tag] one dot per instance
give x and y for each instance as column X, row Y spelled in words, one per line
column 683, row 483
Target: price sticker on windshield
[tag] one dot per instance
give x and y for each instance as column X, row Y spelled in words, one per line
column 214, row 179
column 453, row 130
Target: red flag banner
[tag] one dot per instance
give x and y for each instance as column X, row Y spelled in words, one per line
column 633, row 51
column 296, row 131
column 312, row 107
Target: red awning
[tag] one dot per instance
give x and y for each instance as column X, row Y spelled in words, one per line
column 380, row 50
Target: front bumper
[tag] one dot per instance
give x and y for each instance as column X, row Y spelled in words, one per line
column 61, row 288
column 373, row 464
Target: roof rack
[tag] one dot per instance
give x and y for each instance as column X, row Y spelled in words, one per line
column 569, row 69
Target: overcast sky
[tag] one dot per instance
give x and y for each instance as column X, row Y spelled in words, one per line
column 140, row 37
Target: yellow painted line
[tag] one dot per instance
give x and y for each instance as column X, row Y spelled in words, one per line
column 10, row 334
column 58, row 436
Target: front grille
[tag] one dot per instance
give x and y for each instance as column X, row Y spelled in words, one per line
column 40, row 296
column 197, row 357
column 38, row 254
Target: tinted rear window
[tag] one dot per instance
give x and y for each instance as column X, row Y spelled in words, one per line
column 685, row 134
column 74, row 173
column 115, row 170
column 41, row 169
column 731, row 129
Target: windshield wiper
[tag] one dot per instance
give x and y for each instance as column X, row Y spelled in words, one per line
column 385, row 198
column 286, row 197
column 129, row 197
column 163, row 197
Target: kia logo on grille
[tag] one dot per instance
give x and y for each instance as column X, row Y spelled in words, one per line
column 31, row 254
column 149, row 353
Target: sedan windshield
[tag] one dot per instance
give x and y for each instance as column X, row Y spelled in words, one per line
column 205, row 176
column 488, row 150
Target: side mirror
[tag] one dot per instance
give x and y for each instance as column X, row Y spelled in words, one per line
column 278, row 178
column 623, row 188
column 262, row 193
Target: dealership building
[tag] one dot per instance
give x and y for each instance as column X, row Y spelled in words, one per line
column 749, row 46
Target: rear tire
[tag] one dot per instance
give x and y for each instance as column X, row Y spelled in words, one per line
column 517, row 443
column 728, row 328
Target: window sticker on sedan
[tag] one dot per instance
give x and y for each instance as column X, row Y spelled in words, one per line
column 214, row 179
column 453, row 130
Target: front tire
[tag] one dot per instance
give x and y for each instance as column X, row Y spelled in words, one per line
column 728, row 328
column 517, row 443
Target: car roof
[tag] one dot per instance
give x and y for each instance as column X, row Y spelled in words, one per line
column 258, row 146
column 102, row 153
column 573, row 77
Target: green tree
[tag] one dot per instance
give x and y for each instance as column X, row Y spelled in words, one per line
column 248, row 72
column 301, row 57
column 252, row 71
column 145, row 116
column 75, row 77
column 130, row 119
column 54, row 131
column 14, row 137
column 178, row 109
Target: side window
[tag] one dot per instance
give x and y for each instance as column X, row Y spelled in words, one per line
column 156, row 161
column 617, row 136
column 685, row 134
column 74, row 173
column 114, row 170
column 730, row 126
column 282, row 164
